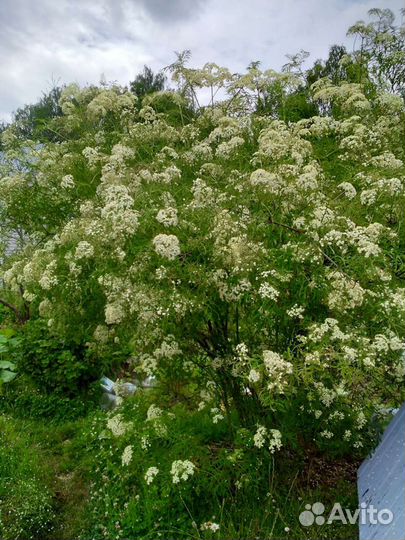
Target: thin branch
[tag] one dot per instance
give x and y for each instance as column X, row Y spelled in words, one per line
column 13, row 308
column 298, row 231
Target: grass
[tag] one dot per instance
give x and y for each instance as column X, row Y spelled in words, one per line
column 61, row 459
column 48, row 453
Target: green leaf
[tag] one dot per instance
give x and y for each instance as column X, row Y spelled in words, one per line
column 5, row 364
column 7, row 376
column 7, row 333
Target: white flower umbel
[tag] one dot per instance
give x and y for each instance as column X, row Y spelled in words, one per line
column 268, row 292
column 167, row 246
column 210, row 526
column 254, row 376
column 259, row 438
column 167, row 217
column 127, row 455
column 277, row 369
column 67, row 182
column 275, row 440
column 150, row 474
column 272, row 437
column 182, row 470
column 117, row 425
column 153, row 412
column 84, row 250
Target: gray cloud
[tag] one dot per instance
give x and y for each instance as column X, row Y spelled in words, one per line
column 78, row 40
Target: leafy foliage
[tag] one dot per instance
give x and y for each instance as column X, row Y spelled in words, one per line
column 231, row 252
column 147, row 83
column 246, row 252
column 136, row 494
column 8, row 343
column 57, row 365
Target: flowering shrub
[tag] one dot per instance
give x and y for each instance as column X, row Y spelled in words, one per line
column 170, row 471
column 258, row 259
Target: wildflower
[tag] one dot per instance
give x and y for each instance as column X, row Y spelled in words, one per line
column 150, row 474
column 210, row 526
column 114, row 313
column 275, row 440
column 348, row 189
column 145, row 443
column 153, row 412
column 182, row 470
column 127, row 455
column 167, row 246
column 67, row 182
column 259, row 437
column 84, row 250
column 167, row 217
column 254, row 376
column 277, row 368
column 296, row 312
column 217, row 416
column 117, row 425
column 345, row 293
column 268, row 292
column 49, row 278
column 227, row 148
column 269, row 181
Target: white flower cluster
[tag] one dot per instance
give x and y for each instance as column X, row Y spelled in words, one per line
column 259, row 438
column 254, row 376
column 266, row 291
column 277, row 369
column 269, row 181
column 114, row 313
column 203, row 195
column 227, row 149
column 127, row 455
column 49, row 278
column 153, row 412
column 345, row 294
column 296, row 312
column 109, row 101
column 216, row 415
column 270, row 437
column 167, row 246
column 210, row 526
column 167, row 217
column 67, row 182
column 348, row 189
column 84, row 250
column 92, row 156
column 150, row 474
column 169, row 348
column 118, row 213
column 182, row 470
column 118, row 426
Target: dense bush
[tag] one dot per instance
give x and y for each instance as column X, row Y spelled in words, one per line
column 248, row 254
column 168, row 473
column 253, row 260
column 56, row 364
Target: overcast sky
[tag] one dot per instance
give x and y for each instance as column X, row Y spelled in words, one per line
column 46, row 41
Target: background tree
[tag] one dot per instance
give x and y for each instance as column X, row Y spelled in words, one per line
column 382, row 49
column 147, row 82
column 31, row 121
